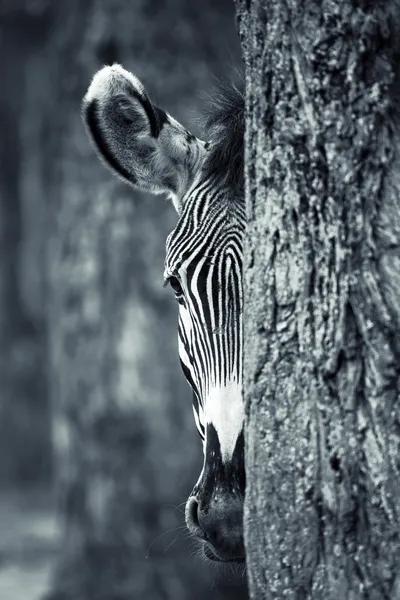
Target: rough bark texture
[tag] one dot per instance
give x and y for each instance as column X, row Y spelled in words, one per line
column 322, row 299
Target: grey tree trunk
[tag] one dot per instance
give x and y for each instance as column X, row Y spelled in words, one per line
column 24, row 422
column 322, row 299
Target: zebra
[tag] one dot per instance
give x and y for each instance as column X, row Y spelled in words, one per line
column 150, row 150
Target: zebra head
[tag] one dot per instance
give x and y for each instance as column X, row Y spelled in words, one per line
column 150, row 150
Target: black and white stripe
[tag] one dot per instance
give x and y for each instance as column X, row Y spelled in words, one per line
column 204, row 253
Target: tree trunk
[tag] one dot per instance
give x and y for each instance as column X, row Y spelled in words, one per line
column 24, row 421
column 126, row 448
column 322, row 299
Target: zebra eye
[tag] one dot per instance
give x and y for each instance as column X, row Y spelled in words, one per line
column 176, row 286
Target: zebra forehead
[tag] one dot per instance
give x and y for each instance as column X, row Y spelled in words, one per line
column 221, row 225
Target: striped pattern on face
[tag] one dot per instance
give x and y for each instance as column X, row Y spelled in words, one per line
column 204, row 264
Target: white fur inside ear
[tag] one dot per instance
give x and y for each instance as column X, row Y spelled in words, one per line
column 131, row 111
column 112, row 80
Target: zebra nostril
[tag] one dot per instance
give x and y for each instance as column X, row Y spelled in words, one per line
column 193, row 511
column 192, row 518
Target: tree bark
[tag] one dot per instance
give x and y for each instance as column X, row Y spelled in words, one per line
column 322, row 299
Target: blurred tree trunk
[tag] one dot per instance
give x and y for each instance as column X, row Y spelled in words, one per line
column 124, row 450
column 24, row 421
column 322, row 299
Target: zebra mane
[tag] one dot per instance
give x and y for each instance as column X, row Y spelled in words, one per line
column 225, row 123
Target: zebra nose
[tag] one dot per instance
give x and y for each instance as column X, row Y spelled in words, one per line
column 220, row 524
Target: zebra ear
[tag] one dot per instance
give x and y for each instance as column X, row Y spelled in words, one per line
column 140, row 142
column 114, row 111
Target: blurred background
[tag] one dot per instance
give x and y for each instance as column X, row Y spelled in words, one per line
column 98, row 447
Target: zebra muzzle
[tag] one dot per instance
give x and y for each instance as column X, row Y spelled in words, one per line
column 220, row 525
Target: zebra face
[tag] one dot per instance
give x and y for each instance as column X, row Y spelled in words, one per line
column 151, row 151
column 204, row 268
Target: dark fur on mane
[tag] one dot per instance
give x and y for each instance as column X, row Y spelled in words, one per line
column 225, row 132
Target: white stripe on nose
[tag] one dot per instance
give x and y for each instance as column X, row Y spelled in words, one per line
column 224, row 408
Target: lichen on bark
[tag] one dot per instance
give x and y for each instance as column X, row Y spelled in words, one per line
column 322, row 298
